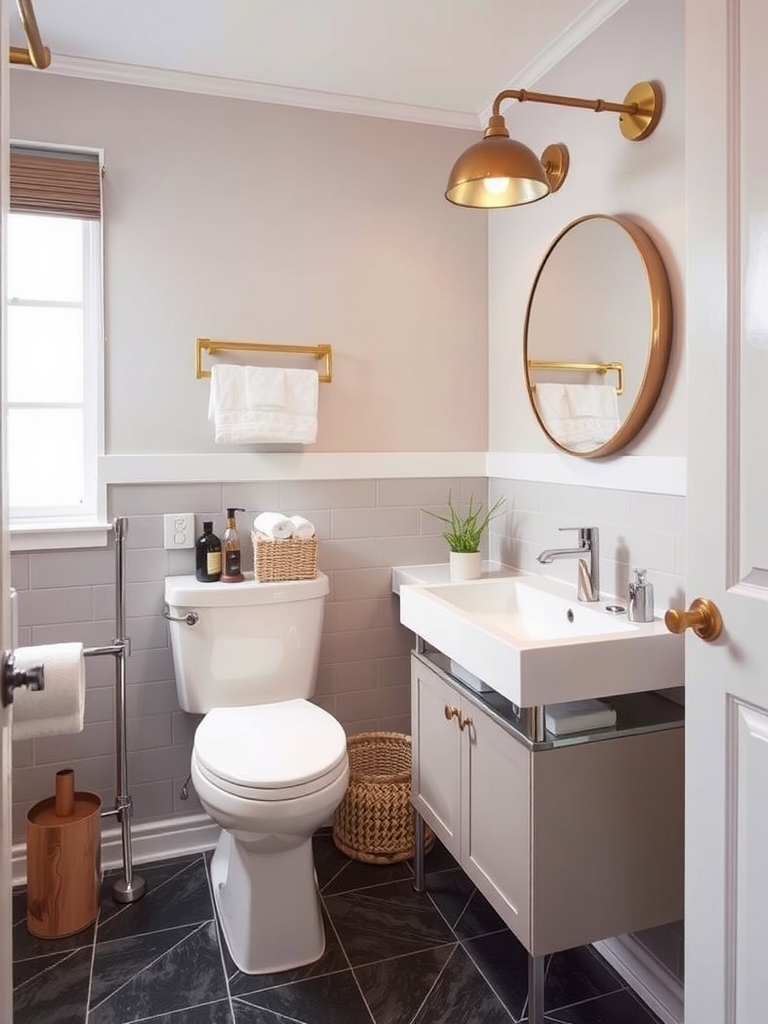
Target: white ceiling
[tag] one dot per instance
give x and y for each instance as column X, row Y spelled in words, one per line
column 434, row 61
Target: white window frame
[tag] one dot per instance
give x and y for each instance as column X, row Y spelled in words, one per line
column 31, row 530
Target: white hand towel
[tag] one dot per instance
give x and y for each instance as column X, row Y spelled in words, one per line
column 262, row 405
column 302, row 528
column 273, row 525
column 58, row 708
column 581, row 417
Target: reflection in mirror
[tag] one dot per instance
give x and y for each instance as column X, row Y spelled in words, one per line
column 598, row 333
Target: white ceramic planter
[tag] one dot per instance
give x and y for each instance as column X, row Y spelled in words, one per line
column 465, row 565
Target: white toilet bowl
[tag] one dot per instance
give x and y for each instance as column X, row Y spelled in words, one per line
column 269, row 775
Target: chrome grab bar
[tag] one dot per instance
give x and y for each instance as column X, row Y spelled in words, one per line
column 190, row 618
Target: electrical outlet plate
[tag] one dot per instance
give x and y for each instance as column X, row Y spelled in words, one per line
column 179, row 530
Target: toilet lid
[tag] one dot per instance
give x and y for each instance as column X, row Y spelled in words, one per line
column 271, row 751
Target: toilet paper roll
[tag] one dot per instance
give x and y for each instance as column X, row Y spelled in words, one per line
column 274, row 525
column 58, row 708
column 302, row 528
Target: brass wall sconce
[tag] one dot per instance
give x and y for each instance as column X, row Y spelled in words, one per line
column 499, row 171
column 36, row 55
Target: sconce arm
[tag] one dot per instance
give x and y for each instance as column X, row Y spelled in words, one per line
column 641, row 109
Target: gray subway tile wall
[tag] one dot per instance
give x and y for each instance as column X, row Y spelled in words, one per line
column 365, row 527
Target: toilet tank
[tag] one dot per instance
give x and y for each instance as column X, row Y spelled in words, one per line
column 252, row 643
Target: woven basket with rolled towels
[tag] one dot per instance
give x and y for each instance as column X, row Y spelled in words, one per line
column 273, row 525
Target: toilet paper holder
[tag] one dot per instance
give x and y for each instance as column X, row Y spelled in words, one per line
column 12, row 678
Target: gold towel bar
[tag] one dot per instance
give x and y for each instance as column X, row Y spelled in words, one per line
column 36, row 55
column 544, row 364
column 213, row 345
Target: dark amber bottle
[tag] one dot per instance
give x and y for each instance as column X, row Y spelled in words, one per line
column 208, row 556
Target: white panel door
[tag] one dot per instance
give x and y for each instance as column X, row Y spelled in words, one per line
column 5, row 640
column 726, row 914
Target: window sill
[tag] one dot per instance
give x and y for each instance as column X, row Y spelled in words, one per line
column 49, row 536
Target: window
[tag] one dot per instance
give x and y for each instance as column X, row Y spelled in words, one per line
column 54, row 338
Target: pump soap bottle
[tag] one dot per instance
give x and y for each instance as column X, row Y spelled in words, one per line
column 640, row 598
column 208, row 556
column 232, row 571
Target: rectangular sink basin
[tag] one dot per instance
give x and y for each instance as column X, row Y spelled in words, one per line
column 529, row 639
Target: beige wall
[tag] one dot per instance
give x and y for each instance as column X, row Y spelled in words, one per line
column 233, row 219
column 609, row 175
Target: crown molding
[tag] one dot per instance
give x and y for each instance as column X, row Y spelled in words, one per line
column 559, row 48
column 258, row 92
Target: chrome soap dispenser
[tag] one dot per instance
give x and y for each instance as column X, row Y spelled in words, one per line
column 640, row 598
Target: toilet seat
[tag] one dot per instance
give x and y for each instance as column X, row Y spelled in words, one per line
column 274, row 751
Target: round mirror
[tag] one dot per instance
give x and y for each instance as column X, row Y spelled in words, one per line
column 598, row 332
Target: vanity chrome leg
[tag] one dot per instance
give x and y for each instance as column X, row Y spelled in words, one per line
column 419, row 883
column 535, row 989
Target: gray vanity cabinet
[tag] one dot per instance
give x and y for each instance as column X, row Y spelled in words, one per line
column 570, row 841
column 472, row 785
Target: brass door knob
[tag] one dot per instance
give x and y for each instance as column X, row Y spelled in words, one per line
column 703, row 617
column 464, row 721
column 451, row 712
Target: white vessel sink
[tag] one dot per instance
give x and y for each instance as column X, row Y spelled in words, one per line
column 529, row 639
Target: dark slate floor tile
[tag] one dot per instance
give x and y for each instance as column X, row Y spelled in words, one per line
column 328, row 858
column 617, row 1008
column 25, row 970
column 182, row 897
column 26, row 945
column 395, row 989
column 357, row 875
column 247, row 1014
column 208, row 1013
column 332, row 961
column 59, row 996
column 438, row 859
column 334, row 997
column 155, row 875
column 461, row 996
column 190, row 973
column 466, row 910
column 575, row 975
column 386, row 921
column 503, row 961
column 116, row 962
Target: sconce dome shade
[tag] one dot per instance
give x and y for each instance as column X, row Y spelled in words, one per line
column 497, row 172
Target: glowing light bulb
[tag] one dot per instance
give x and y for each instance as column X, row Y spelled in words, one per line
column 496, row 185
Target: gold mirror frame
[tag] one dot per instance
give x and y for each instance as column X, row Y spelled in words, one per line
column 659, row 342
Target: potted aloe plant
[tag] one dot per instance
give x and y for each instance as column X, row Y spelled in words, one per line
column 464, row 532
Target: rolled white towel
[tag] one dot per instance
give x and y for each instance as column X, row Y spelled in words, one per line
column 302, row 528
column 274, row 525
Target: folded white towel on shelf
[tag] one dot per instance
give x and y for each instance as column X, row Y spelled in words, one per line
column 581, row 417
column 263, row 404
column 274, row 525
column 302, row 528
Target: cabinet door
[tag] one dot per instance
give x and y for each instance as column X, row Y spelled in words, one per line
column 436, row 766
column 495, row 838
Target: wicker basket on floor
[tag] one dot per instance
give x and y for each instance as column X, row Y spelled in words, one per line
column 374, row 821
column 294, row 558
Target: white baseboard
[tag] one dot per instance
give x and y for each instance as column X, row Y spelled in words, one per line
column 658, row 989
column 154, row 840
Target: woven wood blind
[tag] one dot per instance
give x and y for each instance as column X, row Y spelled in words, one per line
column 67, row 184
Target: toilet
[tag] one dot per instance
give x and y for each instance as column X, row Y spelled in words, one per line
column 269, row 767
